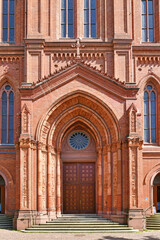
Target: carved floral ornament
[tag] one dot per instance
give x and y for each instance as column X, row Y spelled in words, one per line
column 25, row 120
column 134, row 176
column 27, row 143
column 132, row 119
column 135, row 142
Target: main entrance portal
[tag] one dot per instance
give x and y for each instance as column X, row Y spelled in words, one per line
column 79, row 188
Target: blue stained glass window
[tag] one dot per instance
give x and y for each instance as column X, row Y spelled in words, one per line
column 153, row 116
column 150, row 6
column 90, row 18
column 149, row 87
column 4, row 118
column 147, row 20
column 79, row 140
column 63, row 4
column 86, row 4
column 11, row 118
column 7, row 116
column 146, row 117
column 149, row 115
column 67, row 18
column 7, row 87
column 8, row 20
column 144, row 7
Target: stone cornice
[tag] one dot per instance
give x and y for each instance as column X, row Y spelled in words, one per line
column 6, row 50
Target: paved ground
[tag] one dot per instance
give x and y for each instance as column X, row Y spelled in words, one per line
column 13, row 235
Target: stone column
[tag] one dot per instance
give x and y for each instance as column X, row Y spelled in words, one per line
column 42, row 178
column 24, row 174
column 106, row 180
column 39, row 207
column 51, row 183
column 135, row 218
column 25, row 215
column 119, row 176
column 114, row 178
column 59, row 209
column 99, row 178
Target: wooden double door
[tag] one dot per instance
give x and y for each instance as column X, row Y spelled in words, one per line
column 78, row 188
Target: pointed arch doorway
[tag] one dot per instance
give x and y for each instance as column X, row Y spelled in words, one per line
column 156, row 192
column 2, row 195
column 79, row 175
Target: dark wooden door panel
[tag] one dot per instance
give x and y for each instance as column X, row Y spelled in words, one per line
column 87, row 173
column 87, row 198
column 79, row 187
column 71, row 204
column 70, row 186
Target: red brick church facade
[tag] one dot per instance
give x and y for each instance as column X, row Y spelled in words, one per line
column 80, row 103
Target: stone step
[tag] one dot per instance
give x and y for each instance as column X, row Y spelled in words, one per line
column 153, row 228
column 79, row 226
column 155, row 225
column 158, row 222
column 80, row 216
column 78, row 229
column 82, row 231
column 153, row 222
column 4, row 227
column 77, row 220
column 81, row 223
column 6, row 222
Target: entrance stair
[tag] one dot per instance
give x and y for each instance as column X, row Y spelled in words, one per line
column 6, row 222
column 153, row 222
column 80, row 223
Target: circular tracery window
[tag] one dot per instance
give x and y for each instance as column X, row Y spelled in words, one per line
column 78, row 140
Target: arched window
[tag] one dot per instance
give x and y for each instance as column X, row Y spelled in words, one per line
column 8, row 20
column 147, row 21
column 90, row 18
column 67, row 18
column 7, row 115
column 149, row 114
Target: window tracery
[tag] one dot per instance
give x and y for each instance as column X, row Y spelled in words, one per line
column 7, row 114
column 149, row 114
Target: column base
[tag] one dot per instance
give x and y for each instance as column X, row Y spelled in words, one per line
column 52, row 215
column 136, row 219
column 24, row 219
column 119, row 216
column 27, row 218
column 59, row 214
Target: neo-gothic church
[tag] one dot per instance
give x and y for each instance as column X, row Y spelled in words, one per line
column 79, row 110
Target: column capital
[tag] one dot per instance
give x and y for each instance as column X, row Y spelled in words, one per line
column 51, row 149
column 99, row 150
column 26, row 143
column 41, row 146
column 135, row 142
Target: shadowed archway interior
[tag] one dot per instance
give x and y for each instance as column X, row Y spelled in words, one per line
column 2, row 195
